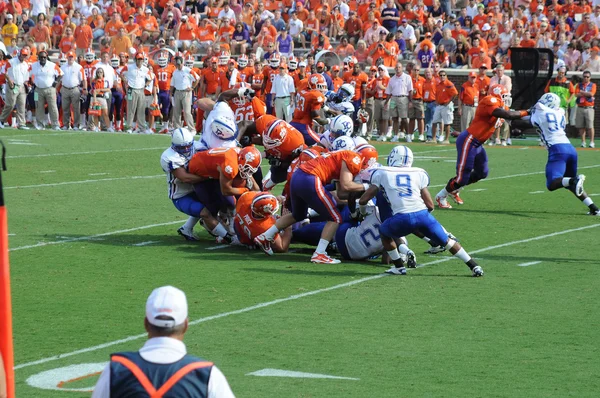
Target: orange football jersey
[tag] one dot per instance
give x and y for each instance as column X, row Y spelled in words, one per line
column 327, row 167
column 246, row 225
column 291, row 139
column 164, row 76
column 484, row 124
column 246, row 74
column 357, row 81
column 307, row 101
column 88, row 70
column 208, row 163
column 269, row 74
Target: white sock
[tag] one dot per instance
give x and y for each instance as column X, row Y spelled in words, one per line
column 189, row 224
column 271, row 232
column 463, row 255
column 394, row 255
column 566, row 181
column 426, row 239
column 322, row 246
column 588, row 201
column 29, row 116
column 220, row 230
column 403, row 249
column 443, row 193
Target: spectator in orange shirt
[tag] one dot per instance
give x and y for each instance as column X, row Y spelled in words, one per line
column 344, row 49
column 113, row 25
column 587, row 30
column 353, row 28
column 83, row 36
column 40, row 33
column 67, row 43
column 445, row 93
column 302, row 12
column 96, row 22
column 149, row 26
column 210, row 79
column 527, row 42
column 481, row 59
column 335, row 78
column 132, row 28
column 377, row 51
column 392, row 51
column 225, row 31
column 320, row 42
column 56, row 31
column 336, row 28
column 120, row 43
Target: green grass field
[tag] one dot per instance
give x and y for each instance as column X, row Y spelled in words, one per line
column 93, row 232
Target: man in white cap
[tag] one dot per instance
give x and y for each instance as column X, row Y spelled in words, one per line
column 162, row 366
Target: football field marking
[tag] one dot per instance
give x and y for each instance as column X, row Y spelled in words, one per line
column 478, row 190
column 93, row 237
column 293, row 297
column 295, row 374
column 149, row 242
column 46, row 155
column 56, row 184
column 536, row 192
column 529, row 263
column 48, row 171
column 98, row 174
column 217, row 247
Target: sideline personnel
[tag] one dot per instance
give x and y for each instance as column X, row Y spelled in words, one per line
column 162, row 366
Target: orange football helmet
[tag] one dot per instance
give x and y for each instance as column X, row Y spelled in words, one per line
column 500, row 92
column 316, row 81
column 264, row 205
column 249, row 160
column 275, row 134
column 369, row 154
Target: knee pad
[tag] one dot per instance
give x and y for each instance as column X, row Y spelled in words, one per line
column 451, row 242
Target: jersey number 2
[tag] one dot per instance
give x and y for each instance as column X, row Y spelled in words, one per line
column 373, row 234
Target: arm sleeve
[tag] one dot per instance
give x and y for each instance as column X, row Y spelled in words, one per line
column 218, row 387
column 102, row 388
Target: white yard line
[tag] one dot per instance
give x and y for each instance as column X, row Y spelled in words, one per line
column 55, row 184
column 293, row 297
column 45, row 155
column 48, row 171
column 478, row 190
column 537, row 192
column 217, row 247
column 92, row 237
column 528, row 264
column 149, row 242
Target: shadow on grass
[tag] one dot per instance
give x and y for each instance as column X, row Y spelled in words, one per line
column 316, row 272
column 525, row 259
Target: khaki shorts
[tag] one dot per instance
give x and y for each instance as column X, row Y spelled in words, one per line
column 101, row 101
column 443, row 114
column 584, row 118
column 399, row 107
column 417, row 111
column 379, row 111
column 148, row 100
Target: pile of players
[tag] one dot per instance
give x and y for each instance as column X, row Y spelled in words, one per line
column 336, row 196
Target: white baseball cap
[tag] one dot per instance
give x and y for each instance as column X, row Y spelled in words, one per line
column 167, row 301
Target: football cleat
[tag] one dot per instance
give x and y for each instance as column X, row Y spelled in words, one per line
column 411, row 259
column 594, row 213
column 323, row 258
column 187, row 234
column 421, row 138
column 264, row 244
column 579, row 180
column 455, row 197
column 435, row 250
column 396, row 271
column 592, row 145
column 477, row 271
column 442, row 202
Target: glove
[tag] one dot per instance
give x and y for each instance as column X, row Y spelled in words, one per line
column 363, row 115
column 249, row 184
column 274, row 162
column 245, row 92
column 246, row 141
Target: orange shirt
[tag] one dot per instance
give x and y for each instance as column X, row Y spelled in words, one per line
column 418, row 83
column 484, row 123
column 112, row 27
column 131, row 27
column 357, row 81
column 206, row 33
column 380, row 93
column 394, row 49
column 476, row 62
column 484, row 84
column 148, row 23
column 88, row 69
column 246, row 225
column 469, row 93
column 327, row 167
column 83, row 36
column 164, row 75
column 444, row 92
column 300, row 83
column 280, row 139
column 40, row 35
column 225, row 79
column 187, row 31
column 257, row 80
column 527, row 43
column 211, row 80
column 311, row 24
column 269, row 74
column 67, row 44
column 337, row 83
column 429, row 87
column 226, row 31
column 214, row 162
column 307, row 101
column 246, row 73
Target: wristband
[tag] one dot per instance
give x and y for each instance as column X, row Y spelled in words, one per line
column 366, row 186
column 523, row 113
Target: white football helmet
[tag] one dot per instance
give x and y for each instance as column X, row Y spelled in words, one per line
column 341, row 125
column 243, row 61
column 114, row 61
column 275, row 60
column 347, row 91
column 224, row 127
column 224, row 58
column 293, row 63
column 343, row 143
column 358, row 141
column 550, row 100
column 188, row 61
column 182, row 142
column 63, row 59
column 89, row 55
column 346, row 108
column 400, row 156
column 162, row 60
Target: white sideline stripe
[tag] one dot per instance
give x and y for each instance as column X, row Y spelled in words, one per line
column 98, row 174
column 291, row 373
column 518, row 175
column 416, row 154
column 149, row 242
column 293, row 297
column 55, row 184
column 528, row 264
column 48, row 171
column 217, row 247
column 535, row 192
column 478, row 190
column 92, row 237
column 45, row 155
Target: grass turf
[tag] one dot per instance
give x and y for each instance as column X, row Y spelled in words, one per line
column 519, row 331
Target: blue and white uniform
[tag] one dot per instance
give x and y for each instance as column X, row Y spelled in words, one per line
column 182, row 194
column 208, row 139
column 562, row 156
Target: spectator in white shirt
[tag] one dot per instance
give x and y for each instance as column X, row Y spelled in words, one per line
column 372, row 34
column 73, row 78
column 296, row 27
column 227, row 12
column 46, row 76
column 283, row 90
column 408, row 33
column 40, row 7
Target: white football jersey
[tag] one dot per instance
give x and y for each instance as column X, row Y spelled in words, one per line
column 550, row 124
column 170, row 161
column 364, row 241
column 208, row 139
column 327, row 139
column 401, row 187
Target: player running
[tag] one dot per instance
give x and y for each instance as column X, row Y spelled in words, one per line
column 472, row 162
column 406, row 191
column 561, row 170
column 308, row 108
column 164, row 72
column 307, row 191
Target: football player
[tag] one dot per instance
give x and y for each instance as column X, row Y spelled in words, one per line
column 269, row 75
column 339, row 102
column 254, row 214
column 309, row 104
column 164, row 72
column 406, row 191
column 561, row 169
column 339, row 126
column 307, row 191
column 472, row 163
column 89, row 66
column 245, row 71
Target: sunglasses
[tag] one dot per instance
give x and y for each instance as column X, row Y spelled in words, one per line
column 442, row 75
column 587, row 76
